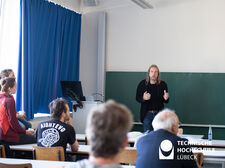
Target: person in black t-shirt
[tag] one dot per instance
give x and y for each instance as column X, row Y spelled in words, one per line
column 152, row 93
column 59, row 130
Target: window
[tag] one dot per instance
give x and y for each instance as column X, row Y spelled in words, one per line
column 9, row 34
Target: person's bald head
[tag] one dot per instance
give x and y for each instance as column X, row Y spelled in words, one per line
column 167, row 120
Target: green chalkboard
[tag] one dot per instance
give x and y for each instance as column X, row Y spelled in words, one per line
column 197, row 98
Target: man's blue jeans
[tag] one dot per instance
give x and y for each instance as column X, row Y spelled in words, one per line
column 147, row 123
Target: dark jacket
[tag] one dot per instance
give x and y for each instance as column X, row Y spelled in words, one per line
column 156, row 102
column 150, row 152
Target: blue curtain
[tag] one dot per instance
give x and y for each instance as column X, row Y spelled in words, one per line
column 49, row 53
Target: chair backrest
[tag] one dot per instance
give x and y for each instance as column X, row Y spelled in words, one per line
column 4, row 165
column 49, row 153
column 128, row 156
column 199, row 159
column 2, row 151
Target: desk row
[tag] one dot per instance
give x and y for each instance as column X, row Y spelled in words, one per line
column 45, row 164
column 85, row 149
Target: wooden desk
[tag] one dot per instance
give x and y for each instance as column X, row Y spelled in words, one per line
column 39, row 163
column 83, row 149
column 26, row 147
column 83, row 138
column 45, row 164
column 132, row 139
column 133, row 136
column 209, row 155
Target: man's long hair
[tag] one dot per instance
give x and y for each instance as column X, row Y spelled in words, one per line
column 147, row 79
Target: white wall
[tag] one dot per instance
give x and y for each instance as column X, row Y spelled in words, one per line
column 178, row 36
column 9, row 34
column 92, row 54
column 88, row 53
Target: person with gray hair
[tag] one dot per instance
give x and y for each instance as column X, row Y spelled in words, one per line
column 162, row 147
column 107, row 128
column 167, row 120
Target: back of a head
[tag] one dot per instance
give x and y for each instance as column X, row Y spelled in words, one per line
column 57, row 107
column 165, row 120
column 5, row 73
column 107, row 128
column 7, row 83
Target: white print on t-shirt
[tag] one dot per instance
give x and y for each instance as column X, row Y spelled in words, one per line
column 53, row 125
column 49, row 137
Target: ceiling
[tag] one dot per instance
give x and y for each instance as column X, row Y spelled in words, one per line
column 107, row 5
column 104, row 5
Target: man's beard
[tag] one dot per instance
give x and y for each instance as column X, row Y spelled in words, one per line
column 153, row 79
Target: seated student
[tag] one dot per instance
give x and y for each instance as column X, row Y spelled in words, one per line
column 59, row 130
column 10, row 130
column 107, row 128
column 162, row 147
column 21, row 117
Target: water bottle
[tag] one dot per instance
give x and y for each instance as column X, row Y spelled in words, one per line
column 210, row 133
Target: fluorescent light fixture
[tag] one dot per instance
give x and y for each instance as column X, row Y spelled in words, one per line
column 143, row 3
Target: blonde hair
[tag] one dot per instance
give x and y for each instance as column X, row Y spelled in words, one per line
column 147, row 79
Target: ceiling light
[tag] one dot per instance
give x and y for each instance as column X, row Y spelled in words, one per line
column 143, row 3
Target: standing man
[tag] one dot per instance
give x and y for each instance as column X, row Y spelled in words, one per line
column 152, row 93
column 162, row 147
column 59, row 130
column 106, row 130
